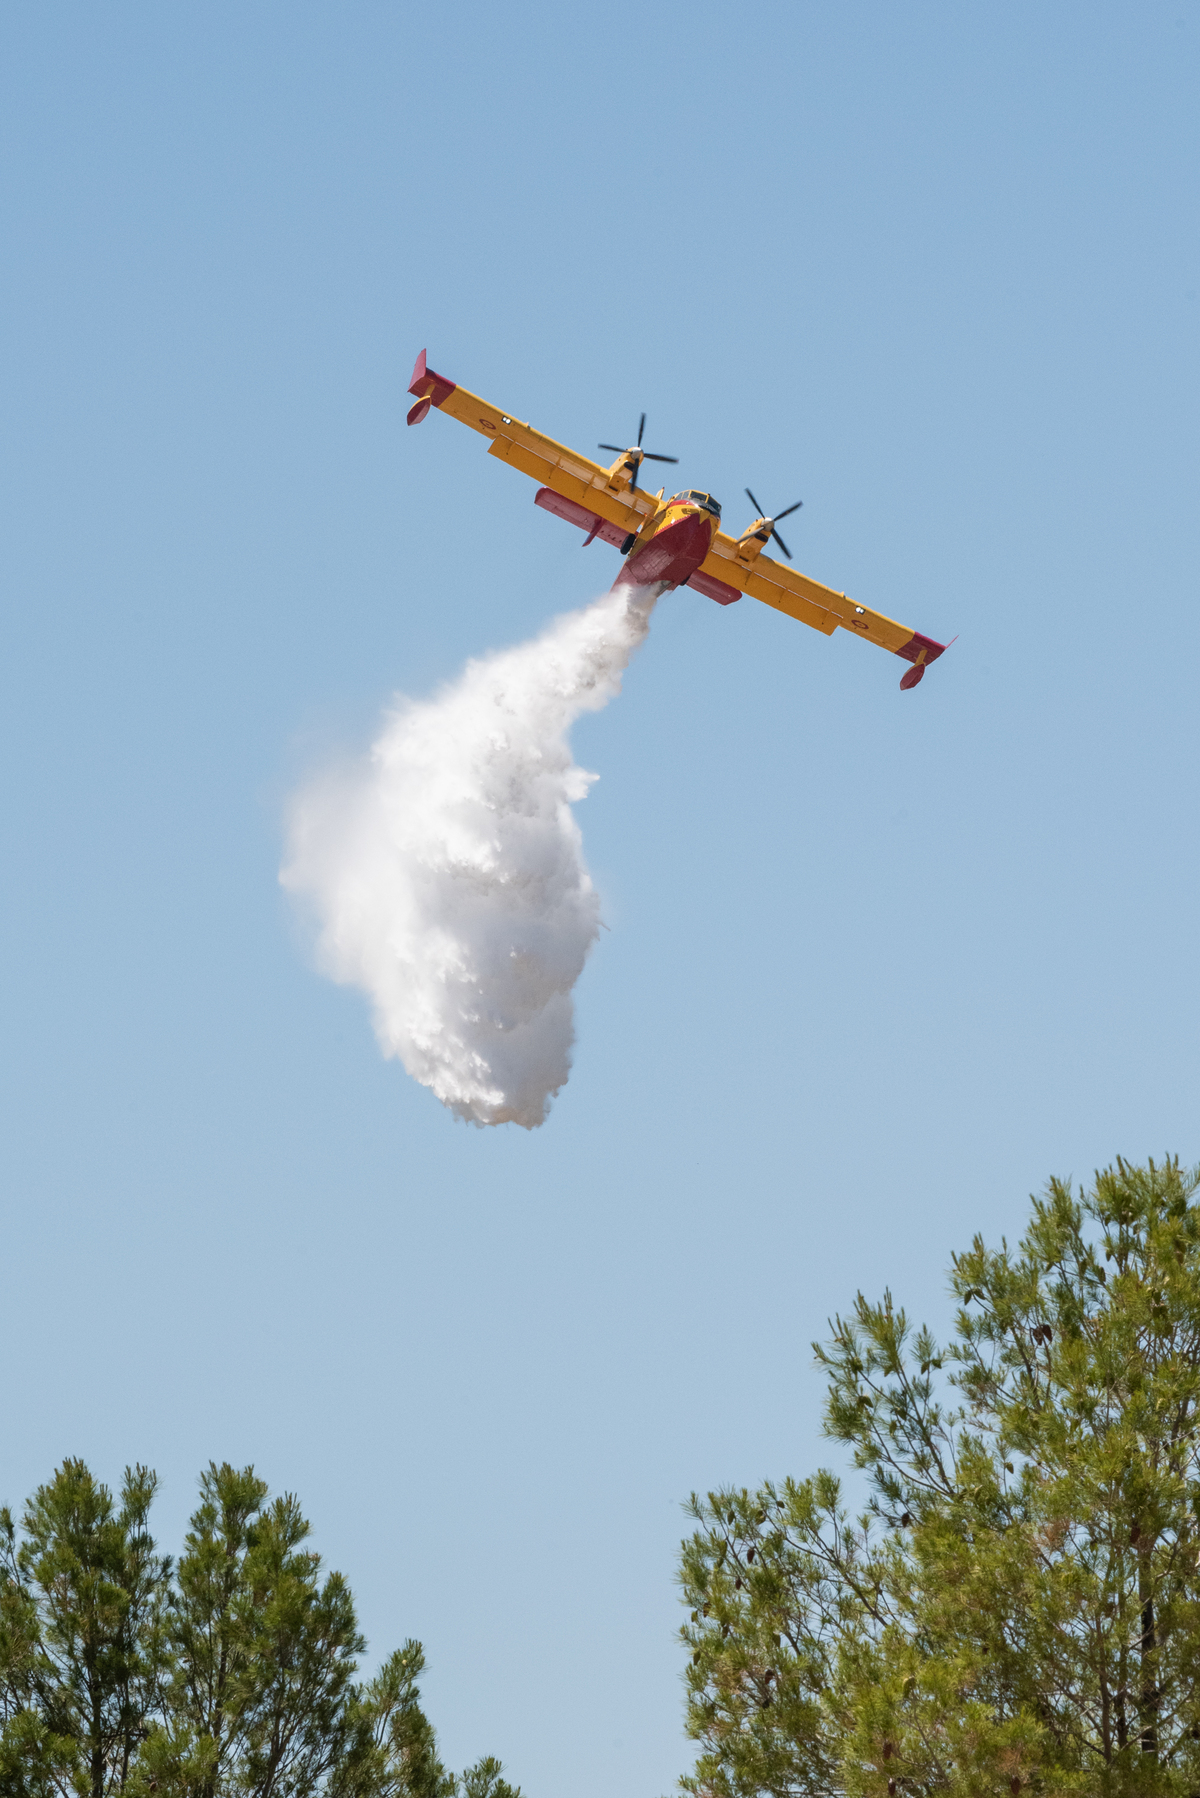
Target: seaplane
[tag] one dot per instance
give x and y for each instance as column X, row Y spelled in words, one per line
column 666, row 543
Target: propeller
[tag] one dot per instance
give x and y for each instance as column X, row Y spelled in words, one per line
column 774, row 521
column 638, row 453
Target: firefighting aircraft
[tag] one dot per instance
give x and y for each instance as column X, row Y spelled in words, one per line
column 665, row 543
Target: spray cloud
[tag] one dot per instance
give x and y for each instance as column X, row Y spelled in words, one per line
column 446, row 869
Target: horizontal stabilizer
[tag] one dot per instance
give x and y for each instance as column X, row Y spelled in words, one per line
column 574, row 513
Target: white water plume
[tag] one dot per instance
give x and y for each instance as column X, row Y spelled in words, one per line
column 446, row 869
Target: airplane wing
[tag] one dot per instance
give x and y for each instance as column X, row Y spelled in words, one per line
column 727, row 571
column 572, row 476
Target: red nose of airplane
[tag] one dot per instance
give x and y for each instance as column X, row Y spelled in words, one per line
column 674, row 552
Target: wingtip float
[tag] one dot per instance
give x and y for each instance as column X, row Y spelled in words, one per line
column 665, row 542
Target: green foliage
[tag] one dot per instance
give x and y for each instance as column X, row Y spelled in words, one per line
column 1018, row 1605
column 484, row 1780
column 80, row 1642
column 233, row 1675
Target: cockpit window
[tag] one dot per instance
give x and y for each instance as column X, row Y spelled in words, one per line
column 694, row 497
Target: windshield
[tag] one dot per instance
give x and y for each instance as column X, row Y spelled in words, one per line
column 693, row 497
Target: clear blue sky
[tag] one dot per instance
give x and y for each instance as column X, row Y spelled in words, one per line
column 879, row 963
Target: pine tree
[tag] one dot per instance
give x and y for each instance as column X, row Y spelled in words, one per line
column 1018, row 1604
column 80, row 1636
column 234, row 1675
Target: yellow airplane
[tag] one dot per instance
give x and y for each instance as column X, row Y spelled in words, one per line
column 666, row 543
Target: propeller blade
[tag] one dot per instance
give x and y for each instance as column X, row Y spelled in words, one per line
column 754, row 503
column 636, row 453
column 783, row 546
column 790, row 509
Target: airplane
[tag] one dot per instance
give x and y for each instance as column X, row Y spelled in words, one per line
column 666, row 542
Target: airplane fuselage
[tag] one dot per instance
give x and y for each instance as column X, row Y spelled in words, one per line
column 671, row 545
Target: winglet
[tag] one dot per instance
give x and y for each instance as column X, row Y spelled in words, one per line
column 431, row 390
column 920, row 651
